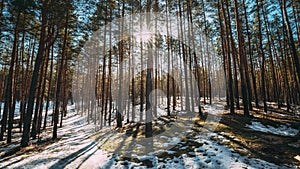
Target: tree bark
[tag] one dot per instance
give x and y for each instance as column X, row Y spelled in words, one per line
column 39, row 60
column 261, row 53
column 243, row 60
column 291, row 38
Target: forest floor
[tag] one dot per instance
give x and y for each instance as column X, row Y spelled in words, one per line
column 262, row 141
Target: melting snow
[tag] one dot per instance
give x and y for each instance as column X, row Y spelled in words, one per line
column 75, row 149
column 282, row 130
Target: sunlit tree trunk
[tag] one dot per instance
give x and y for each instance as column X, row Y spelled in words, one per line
column 168, row 41
column 190, row 16
column 133, row 76
column 250, row 52
column 109, row 93
column 49, row 88
column 60, row 79
column 291, row 38
column 229, row 70
column 142, row 73
column 39, row 60
column 121, row 56
column 262, row 54
column 9, row 106
column 103, row 76
column 242, row 57
column 149, row 110
column 234, row 55
column 38, row 98
column 41, row 106
column 223, row 52
column 183, row 50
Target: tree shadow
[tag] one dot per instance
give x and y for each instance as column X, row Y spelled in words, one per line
column 67, row 160
column 18, row 150
column 12, row 163
column 266, row 146
column 72, row 157
column 35, row 163
column 86, row 158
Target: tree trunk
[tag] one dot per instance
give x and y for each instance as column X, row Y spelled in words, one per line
column 234, row 56
column 49, row 88
column 59, row 79
column 230, row 81
column 148, row 121
column 261, row 53
column 10, row 93
column 251, row 61
column 121, row 56
column 242, row 59
column 274, row 80
column 291, row 38
column 39, row 60
column 195, row 58
column 187, row 96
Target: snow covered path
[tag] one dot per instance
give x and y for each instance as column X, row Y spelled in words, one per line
column 76, row 149
column 71, row 150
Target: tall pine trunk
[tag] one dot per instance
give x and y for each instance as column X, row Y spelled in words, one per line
column 242, row 55
column 34, row 78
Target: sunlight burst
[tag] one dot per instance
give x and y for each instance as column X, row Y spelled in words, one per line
column 144, row 35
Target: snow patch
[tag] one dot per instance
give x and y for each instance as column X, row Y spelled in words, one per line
column 282, row 130
column 76, row 150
